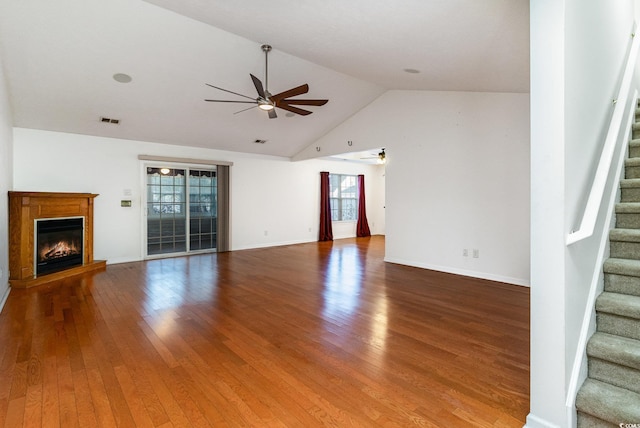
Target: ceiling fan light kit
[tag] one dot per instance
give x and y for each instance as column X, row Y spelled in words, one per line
column 267, row 102
column 265, row 106
column 382, row 159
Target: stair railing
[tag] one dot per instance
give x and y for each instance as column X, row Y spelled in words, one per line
column 590, row 215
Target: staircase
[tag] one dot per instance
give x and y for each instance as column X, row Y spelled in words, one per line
column 610, row 396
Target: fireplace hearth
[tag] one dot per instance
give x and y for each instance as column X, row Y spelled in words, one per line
column 58, row 244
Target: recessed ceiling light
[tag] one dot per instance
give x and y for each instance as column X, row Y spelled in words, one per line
column 411, row 71
column 122, row 78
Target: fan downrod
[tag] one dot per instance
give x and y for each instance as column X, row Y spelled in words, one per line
column 266, row 49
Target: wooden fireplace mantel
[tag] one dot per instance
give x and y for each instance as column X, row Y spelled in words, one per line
column 24, row 209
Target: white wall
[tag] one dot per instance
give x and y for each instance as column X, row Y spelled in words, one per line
column 6, row 179
column 267, row 193
column 457, row 178
column 547, row 335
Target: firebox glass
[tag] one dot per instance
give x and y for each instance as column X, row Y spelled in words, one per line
column 59, row 244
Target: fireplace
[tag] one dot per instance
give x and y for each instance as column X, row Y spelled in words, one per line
column 58, row 244
column 50, row 237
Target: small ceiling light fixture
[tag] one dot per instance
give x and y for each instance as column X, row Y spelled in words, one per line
column 122, row 78
column 265, row 105
column 382, row 158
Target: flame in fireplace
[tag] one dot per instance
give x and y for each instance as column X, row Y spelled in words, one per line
column 59, row 249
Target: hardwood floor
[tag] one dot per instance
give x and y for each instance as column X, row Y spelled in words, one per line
column 319, row 334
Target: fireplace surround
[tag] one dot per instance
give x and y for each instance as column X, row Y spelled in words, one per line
column 66, row 245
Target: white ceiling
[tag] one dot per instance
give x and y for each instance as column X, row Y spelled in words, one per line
column 60, row 56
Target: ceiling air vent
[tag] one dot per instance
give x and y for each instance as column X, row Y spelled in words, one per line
column 109, row 120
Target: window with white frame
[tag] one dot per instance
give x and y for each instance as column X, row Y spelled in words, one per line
column 343, row 197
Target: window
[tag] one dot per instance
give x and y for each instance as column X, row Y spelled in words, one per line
column 343, row 197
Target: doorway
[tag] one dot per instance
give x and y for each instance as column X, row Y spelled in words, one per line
column 181, row 210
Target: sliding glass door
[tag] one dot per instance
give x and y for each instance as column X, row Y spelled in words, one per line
column 203, row 209
column 181, row 210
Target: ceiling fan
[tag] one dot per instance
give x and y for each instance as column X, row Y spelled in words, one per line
column 267, row 102
column 381, row 156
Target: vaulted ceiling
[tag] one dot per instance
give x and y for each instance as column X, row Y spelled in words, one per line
column 60, row 58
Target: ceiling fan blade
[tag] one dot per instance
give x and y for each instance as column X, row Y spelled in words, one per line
column 245, row 109
column 298, row 90
column 292, row 109
column 229, row 101
column 306, row 102
column 231, row 92
column 272, row 114
column 258, row 84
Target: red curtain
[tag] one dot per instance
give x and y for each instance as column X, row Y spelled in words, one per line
column 362, row 228
column 326, row 231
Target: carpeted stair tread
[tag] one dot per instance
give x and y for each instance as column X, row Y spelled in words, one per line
column 627, row 183
column 619, row 350
column 622, row 276
column 628, row 208
column 608, row 402
column 624, row 235
column 632, row 167
column 619, row 304
column 630, row 187
column 628, row 215
column 627, row 267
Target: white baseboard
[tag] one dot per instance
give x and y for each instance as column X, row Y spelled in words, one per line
column 3, row 299
column 272, row 244
column 463, row 272
column 119, row 260
column 535, row 422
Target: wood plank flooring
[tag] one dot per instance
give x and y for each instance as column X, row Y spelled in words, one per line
column 319, row 334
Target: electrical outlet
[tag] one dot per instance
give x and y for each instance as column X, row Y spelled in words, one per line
column 476, row 253
column 465, row 253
